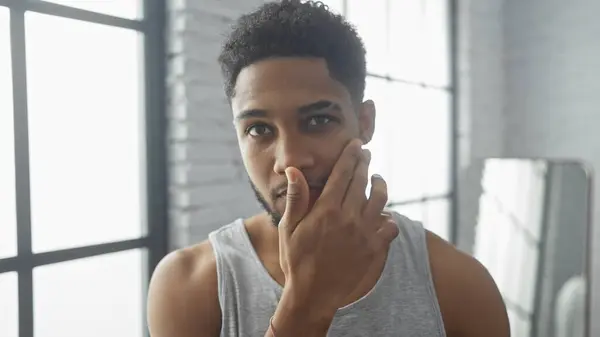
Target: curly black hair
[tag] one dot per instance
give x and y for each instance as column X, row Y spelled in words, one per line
column 291, row 28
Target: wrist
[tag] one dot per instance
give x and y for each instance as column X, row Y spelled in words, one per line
column 298, row 314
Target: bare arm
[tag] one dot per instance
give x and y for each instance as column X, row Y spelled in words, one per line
column 484, row 313
column 182, row 297
column 183, row 301
column 470, row 301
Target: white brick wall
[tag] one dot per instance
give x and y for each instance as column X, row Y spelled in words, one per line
column 481, row 99
column 531, row 89
column 208, row 183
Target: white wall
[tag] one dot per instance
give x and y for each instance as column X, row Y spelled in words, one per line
column 545, row 57
column 208, row 181
column 481, row 99
column 552, row 104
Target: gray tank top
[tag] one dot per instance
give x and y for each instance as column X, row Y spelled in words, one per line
column 403, row 302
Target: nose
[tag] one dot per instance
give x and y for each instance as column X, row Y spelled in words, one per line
column 292, row 151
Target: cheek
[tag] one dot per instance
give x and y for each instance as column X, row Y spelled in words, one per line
column 336, row 146
column 257, row 163
column 334, row 151
column 328, row 154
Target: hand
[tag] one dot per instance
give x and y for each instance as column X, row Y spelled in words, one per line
column 326, row 252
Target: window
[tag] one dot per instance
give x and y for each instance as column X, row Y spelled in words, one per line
column 76, row 170
column 9, row 315
column 83, row 206
column 509, row 231
column 129, row 9
column 8, row 216
column 408, row 61
column 94, row 297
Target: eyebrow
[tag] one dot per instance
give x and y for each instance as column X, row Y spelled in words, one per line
column 302, row 110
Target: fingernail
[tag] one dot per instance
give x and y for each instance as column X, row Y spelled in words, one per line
column 367, row 155
column 291, row 177
column 377, row 176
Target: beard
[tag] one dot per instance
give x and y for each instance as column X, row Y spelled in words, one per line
column 315, row 184
column 273, row 214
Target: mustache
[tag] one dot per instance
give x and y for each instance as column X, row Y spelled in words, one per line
column 281, row 189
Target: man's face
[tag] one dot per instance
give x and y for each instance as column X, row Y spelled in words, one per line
column 290, row 112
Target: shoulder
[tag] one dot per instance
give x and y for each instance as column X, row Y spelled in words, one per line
column 183, row 294
column 469, row 299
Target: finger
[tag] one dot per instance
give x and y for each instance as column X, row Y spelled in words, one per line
column 385, row 215
column 388, row 231
column 377, row 199
column 342, row 173
column 355, row 196
column 297, row 199
column 375, row 224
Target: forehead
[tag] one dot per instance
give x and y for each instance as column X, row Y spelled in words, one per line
column 286, row 83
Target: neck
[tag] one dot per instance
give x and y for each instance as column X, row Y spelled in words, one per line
column 265, row 240
column 263, row 233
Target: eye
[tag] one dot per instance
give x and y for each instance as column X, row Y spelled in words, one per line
column 319, row 120
column 258, row 130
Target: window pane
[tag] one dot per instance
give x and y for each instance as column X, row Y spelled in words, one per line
column 377, row 90
column 411, row 145
column 419, row 41
column 129, row 9
column 370, row 19
column 417, row 130
column 9, row 305
column 85, row 132
column 406, row 39
column 436, row 42
column 437, row 217
column 8, row 216
column 404, row 130
column 412, row 211
column 435, row 139
column 94, row 297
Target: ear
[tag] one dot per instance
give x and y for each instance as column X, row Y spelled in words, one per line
column 366, row 121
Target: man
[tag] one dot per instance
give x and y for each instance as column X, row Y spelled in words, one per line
column 323, row 260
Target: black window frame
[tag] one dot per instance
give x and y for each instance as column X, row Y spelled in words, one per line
column 156, row 238
column 453, row 90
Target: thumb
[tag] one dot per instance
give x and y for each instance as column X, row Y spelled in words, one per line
column 296, row 199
